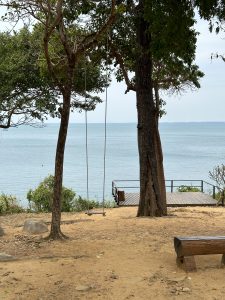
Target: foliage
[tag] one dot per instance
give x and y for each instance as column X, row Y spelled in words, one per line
column 172, row 55
column 41, row 198
column 186, row 188
column 82, row 204
column 210, row 9
column 218, row 175
column 25, row 95
column 214, row 12
column 9, row 205
column 27, row 92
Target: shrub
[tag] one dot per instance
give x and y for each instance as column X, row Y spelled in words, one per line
column 84, row 204
column 218, row 175
column 41, row 198
column 81, row 204
column 9, row 205
column 110, row 204
column 186, row 188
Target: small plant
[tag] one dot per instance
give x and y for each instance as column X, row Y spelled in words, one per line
column 186, row 188
column 81, row 204
column 110, row 204
column 41, row 198
column 9, row 205
column 218, row 175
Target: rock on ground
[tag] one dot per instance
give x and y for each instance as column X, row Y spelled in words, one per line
column 83, row 288
column 35, row 226
column 6, row 257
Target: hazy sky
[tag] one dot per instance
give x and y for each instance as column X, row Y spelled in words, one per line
column 206, row 104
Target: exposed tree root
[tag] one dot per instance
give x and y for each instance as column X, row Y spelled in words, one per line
column 57, row 235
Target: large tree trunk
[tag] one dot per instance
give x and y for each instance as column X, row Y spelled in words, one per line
column 55, row 232
column 152, row 181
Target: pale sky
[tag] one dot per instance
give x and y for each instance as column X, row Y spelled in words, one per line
column 206, row 104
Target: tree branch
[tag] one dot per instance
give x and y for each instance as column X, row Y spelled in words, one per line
column 92, row 39
column 120, row 61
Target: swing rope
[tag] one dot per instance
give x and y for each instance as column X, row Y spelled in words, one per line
column 86, row 135
column 105, row 137
column 105, row 124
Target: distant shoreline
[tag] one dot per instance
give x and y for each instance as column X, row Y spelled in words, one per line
column 161, row 122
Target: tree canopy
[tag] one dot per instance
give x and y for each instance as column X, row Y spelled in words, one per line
column 172, row 47
column 27, row 92
column 25, row 95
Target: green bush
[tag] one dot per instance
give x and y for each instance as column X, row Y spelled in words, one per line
column 110, row 204
column 41, row 198
column 219, row 196
column 185, row 188
column 81, row 204
column 9, row 205
column 84, row 204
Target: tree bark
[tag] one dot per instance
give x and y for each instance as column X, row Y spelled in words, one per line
column 152, row 181
column 55, row 232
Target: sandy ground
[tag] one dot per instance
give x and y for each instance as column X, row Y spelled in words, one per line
column 114, row 257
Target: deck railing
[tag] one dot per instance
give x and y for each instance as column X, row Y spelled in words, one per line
column 171, row 186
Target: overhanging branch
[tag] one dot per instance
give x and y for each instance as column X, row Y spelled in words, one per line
column 120, row 61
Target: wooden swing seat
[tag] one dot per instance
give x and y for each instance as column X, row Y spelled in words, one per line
column 90, row 213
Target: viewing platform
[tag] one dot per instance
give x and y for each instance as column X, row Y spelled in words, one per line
column 126, row 193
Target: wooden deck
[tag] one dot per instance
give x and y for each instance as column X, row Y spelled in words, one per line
column 175, row 199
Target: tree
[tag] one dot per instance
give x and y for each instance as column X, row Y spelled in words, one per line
column 164, row 31
column 63, row 24
column 156, row 41
column 218, row 175
column 25, row 95
column 40, row 199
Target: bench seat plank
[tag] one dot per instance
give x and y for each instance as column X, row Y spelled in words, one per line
column 199, row 245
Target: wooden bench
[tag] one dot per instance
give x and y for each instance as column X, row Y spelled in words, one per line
column 187, row 247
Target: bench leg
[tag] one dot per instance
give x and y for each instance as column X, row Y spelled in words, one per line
column 223, row 261
column 187, row 262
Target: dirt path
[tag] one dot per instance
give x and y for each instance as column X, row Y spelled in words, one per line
column 114, row 257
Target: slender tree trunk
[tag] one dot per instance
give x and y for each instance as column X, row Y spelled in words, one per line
column 152, row 181
column 55, row 232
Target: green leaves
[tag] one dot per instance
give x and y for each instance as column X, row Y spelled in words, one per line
column 24, row 94
column 171, row 29
column 28, row 92
column 41, row 198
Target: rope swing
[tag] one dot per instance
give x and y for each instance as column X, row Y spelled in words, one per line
column 91, row 212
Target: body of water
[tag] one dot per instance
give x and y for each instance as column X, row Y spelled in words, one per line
column 27, row 155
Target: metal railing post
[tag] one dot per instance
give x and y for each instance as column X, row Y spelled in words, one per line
column 214, row 192
column 202, row 188
column 113, row 188
column 171, row 186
